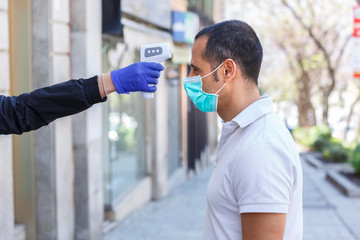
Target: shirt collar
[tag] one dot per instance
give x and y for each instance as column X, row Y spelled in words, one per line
column 254, row 111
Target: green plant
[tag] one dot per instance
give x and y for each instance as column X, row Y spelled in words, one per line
column 355, row 159
column 321, row 143
column 307, row 136
column 331, row 149
column 326, row 153
column 300, row 135
column 338, row 152
column 319, row 138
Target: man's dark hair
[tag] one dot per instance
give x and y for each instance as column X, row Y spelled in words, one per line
column 236, row 40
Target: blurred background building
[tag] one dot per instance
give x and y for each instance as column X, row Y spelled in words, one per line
column 74, row 178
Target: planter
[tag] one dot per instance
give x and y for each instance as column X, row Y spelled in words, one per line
column 346, row 186
column 313, row 159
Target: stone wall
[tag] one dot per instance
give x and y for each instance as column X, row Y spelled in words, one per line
column 6, row 170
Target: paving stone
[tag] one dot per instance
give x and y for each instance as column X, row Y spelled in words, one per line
column 328, row 214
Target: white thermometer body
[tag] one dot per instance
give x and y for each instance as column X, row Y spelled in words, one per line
column 154, row 53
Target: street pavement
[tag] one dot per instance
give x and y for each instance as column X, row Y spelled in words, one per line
column 328, row 214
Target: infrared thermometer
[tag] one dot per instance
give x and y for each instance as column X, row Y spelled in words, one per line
column 154, row 53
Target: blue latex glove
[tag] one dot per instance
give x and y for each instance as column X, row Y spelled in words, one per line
column 136, row 77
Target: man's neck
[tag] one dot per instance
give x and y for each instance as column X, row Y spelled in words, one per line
column 238, row 103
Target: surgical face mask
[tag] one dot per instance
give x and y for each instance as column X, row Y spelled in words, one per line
column 205, row 102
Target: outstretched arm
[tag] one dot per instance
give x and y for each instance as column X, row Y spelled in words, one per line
column 30, row 111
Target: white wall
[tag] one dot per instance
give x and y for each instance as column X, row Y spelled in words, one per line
column 6, row 170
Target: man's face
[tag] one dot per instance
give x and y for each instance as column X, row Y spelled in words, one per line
column 202, row 67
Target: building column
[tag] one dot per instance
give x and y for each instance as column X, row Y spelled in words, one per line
column 88, row 126
column 6, row 170
column 6, row 187
column 160, row 128
column 183, row 115
column 53, row 154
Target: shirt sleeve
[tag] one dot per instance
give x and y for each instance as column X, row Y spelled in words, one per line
column 30, row 111
column 262, row 179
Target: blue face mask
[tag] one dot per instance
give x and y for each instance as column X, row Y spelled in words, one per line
column 205, row 102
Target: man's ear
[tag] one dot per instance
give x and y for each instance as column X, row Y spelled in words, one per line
column 230, row 69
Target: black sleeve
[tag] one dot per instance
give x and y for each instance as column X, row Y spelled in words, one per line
column 30, row 111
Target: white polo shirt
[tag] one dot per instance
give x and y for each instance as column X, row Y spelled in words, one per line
column 257, row 170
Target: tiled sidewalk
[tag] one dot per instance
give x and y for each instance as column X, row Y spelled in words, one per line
column 328, row 214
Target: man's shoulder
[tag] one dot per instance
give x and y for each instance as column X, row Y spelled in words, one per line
column 265, row 137
column 268, row 127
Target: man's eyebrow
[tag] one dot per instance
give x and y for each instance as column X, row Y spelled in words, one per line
column 193, row 66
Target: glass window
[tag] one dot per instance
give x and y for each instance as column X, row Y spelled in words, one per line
column 125, row 135
column 126, row 141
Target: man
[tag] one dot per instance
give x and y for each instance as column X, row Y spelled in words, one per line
column 30, row 111
column 255, row 190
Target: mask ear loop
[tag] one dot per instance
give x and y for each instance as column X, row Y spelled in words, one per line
column 213, row 71
column 221, row 88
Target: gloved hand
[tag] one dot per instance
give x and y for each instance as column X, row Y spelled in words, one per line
column 136, row 77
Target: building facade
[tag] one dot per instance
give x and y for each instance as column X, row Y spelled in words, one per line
column 74, row 178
